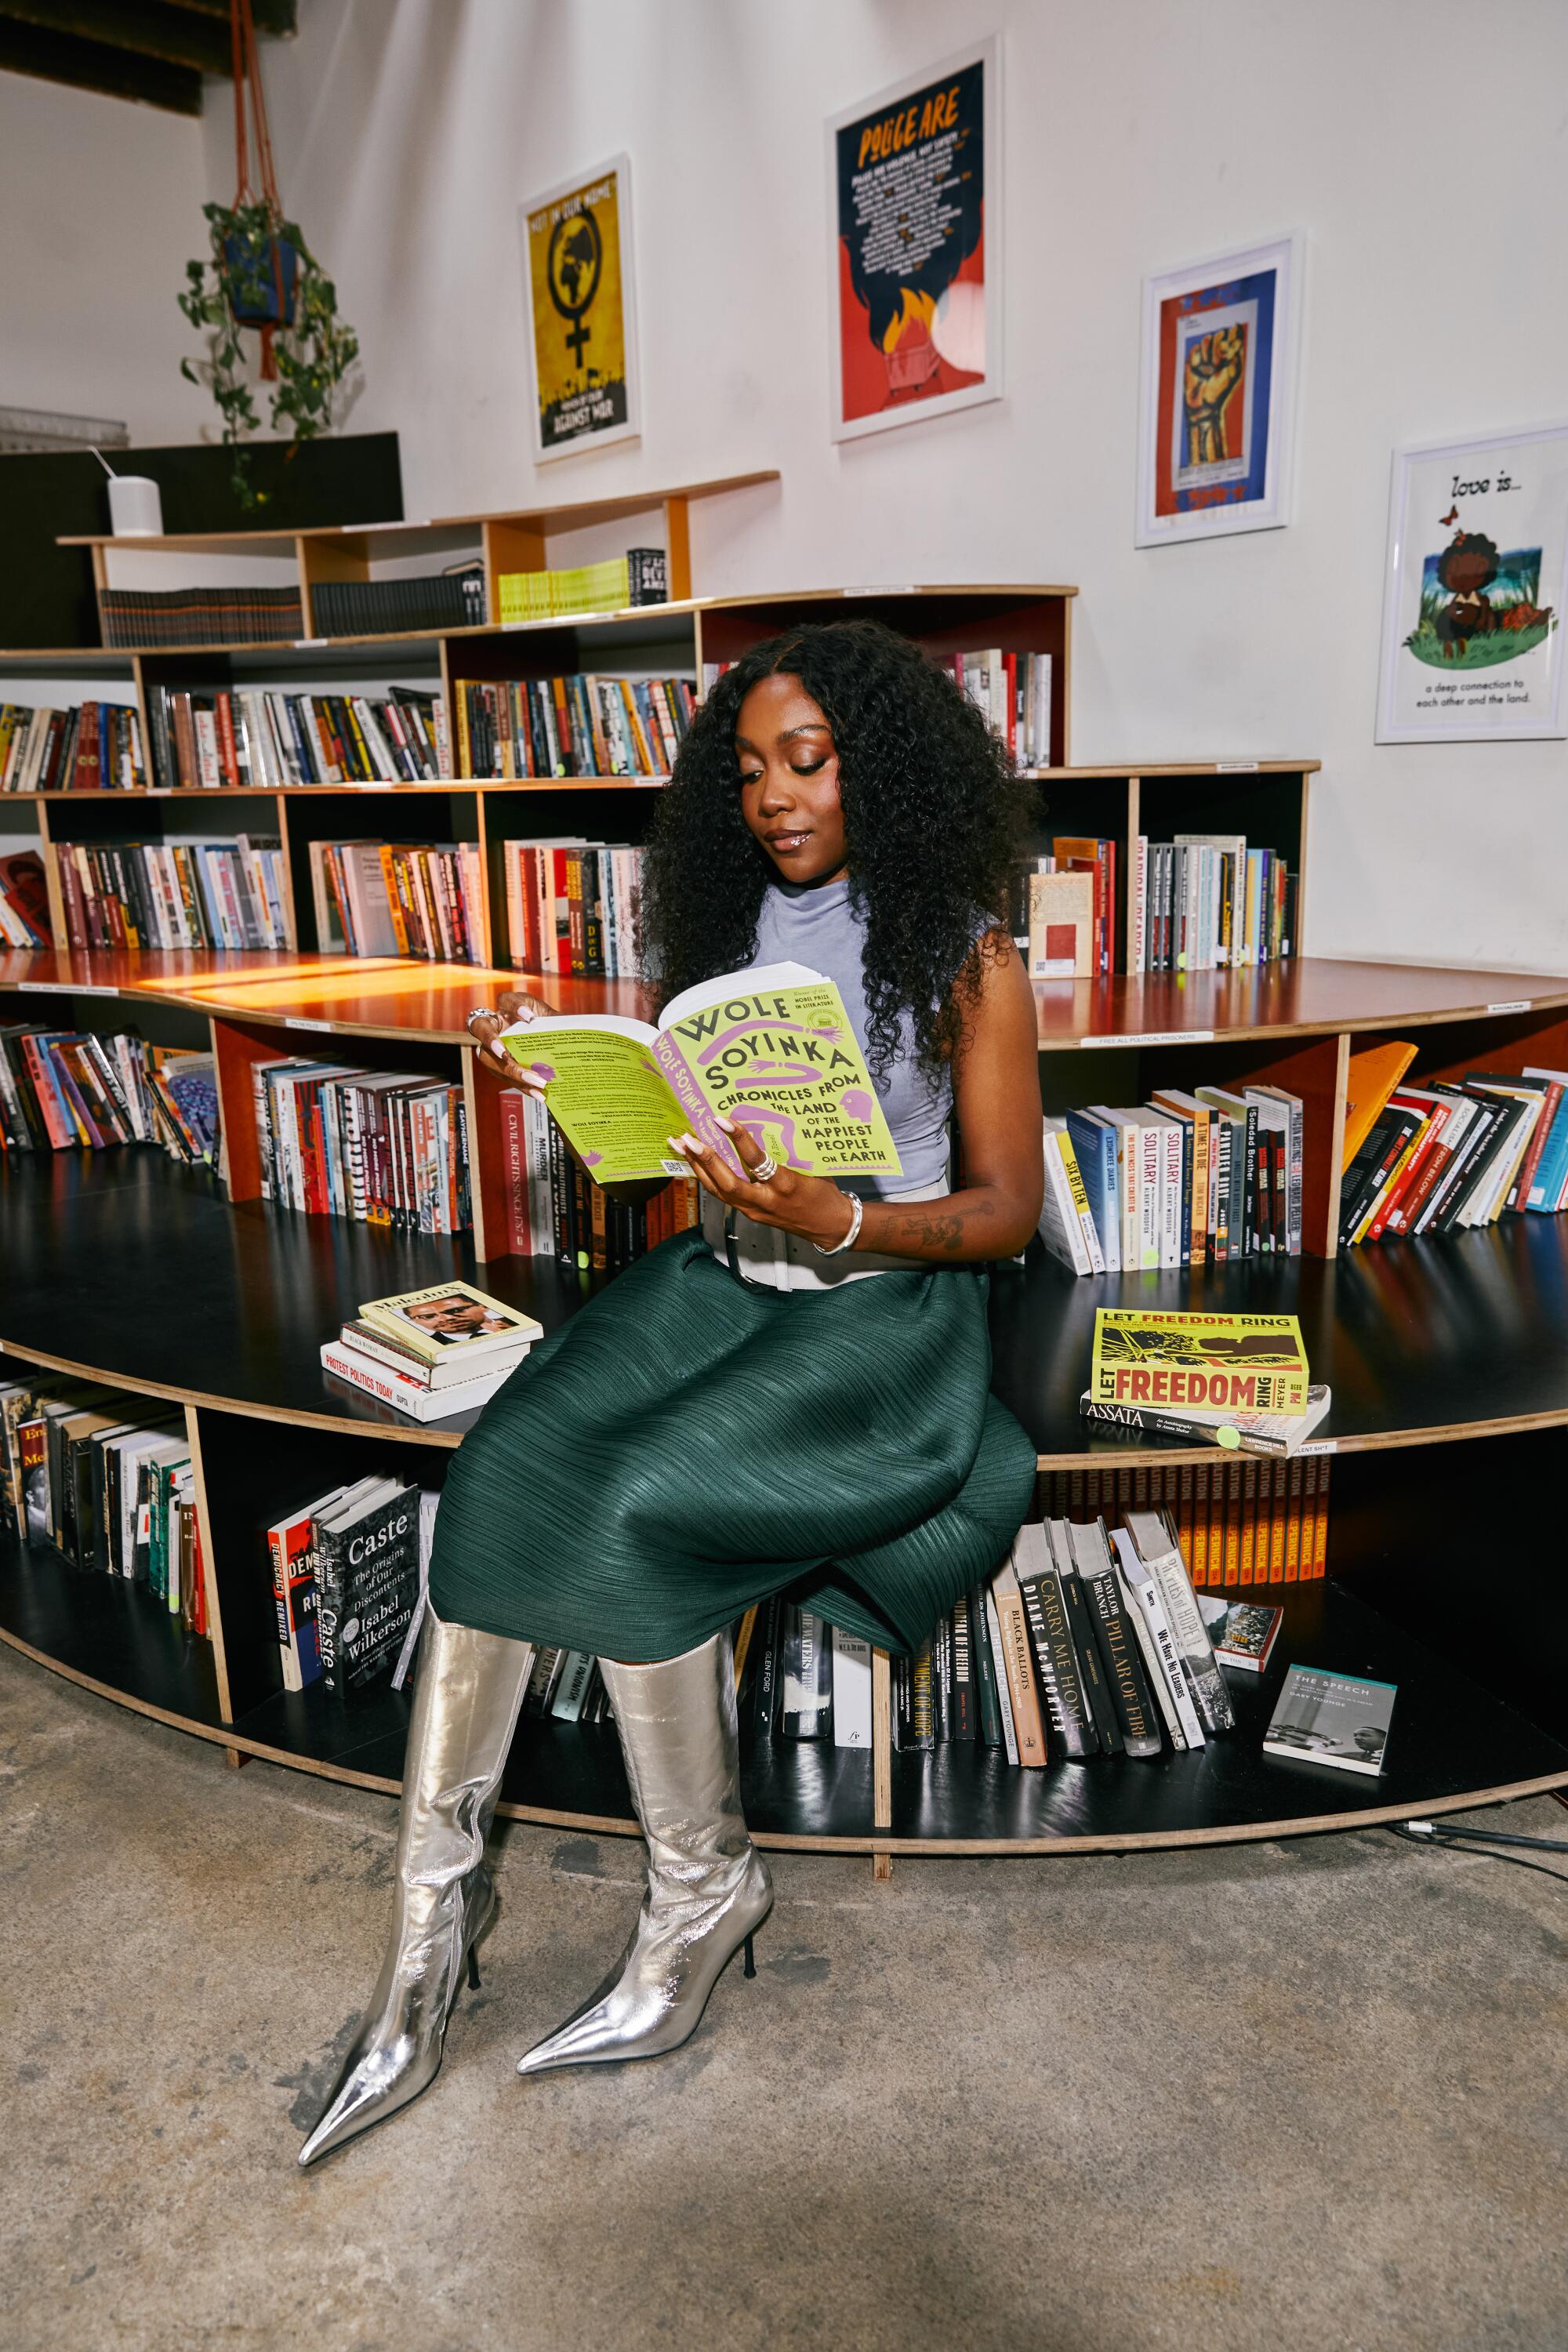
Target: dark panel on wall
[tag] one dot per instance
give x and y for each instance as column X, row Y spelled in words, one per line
column 46, row 592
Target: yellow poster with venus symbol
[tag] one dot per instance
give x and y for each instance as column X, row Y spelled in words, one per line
column 577, row 247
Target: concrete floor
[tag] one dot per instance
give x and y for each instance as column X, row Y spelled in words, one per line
column 1308, row 2095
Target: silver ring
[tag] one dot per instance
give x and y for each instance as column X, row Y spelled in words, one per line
column 767, row 1168
column 481, row 1012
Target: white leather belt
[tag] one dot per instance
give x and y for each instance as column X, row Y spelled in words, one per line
column 774, row 1260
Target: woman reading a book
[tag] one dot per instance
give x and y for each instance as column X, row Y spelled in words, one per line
column 794, row 1397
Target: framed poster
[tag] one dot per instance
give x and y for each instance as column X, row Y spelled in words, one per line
column 582, row 326
column 1478, row 575
column 914, row 180
column 1217, row 409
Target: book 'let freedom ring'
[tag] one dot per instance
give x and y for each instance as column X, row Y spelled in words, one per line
column 1235, row 1363
column 770, row 1048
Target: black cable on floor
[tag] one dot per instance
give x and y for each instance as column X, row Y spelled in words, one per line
column 1458, row 1841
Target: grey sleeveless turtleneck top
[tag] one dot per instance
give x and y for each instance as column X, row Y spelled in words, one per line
column 819, row 928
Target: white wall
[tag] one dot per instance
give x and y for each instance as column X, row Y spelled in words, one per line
column 1139, row 135
column 99, row 210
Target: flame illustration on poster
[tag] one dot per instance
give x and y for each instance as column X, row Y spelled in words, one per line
column 913, row 178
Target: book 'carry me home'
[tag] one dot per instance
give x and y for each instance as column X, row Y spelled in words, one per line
column 770, row 1048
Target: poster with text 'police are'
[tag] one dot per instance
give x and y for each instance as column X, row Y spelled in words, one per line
column 578, row 300
column 914, row 183
column 1478, row 572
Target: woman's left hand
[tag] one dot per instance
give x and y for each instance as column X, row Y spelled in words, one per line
column 807, row 1205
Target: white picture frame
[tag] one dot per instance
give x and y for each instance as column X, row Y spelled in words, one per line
column 965, row 323
column 1441, row 679
column 1245, row 479
column 541, row 367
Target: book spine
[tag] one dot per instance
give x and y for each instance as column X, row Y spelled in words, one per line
column 1101, row 1708
column 1057, row 1665
column 851, row 1690
column 990, row 1712
column 1120, row 1657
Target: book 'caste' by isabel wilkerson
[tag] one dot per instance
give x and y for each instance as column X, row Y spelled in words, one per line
column 1237, row 1363
column 770, row 1048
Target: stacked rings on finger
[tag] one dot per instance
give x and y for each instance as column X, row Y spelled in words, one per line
column 767, row 1168
column 479, row 1013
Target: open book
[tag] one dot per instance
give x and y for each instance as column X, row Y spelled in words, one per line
column 770, row 1048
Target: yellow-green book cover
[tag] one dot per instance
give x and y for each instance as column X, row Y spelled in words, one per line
column 770, row 1048
column 1238, row 1363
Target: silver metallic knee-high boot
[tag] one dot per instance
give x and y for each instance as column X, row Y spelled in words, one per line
column 466, row 1704
column 707, row 1888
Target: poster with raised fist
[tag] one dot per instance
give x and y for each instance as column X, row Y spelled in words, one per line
column 914, row 180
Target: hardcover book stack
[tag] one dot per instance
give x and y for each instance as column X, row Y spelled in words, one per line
column 431, row 1353
column 399, row 898
column 175, row 894
column 1431, row 1157
column 1206, row 901
column 385, row 1148
column 250, row 736
column 108, row 1485
column 1185, row 1177
column 164, row 617
column 571, row 906
column 374, row 608
column 640, row 577
column 23, row 901
column 90, row 747
column 61, row 1088
column 552, row 1210
column 580, row 725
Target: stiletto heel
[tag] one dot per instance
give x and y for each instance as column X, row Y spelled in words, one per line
column 750, row 1966
column 473, row 1970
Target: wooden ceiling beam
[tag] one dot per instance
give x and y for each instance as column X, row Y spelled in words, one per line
column 27, row 48
column 147, row 28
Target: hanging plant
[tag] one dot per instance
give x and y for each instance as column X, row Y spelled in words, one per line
column 262, row 276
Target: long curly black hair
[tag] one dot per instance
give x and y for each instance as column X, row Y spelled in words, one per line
column 933, row 817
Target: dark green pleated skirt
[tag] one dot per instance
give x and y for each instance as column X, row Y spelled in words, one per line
column 689, row 1445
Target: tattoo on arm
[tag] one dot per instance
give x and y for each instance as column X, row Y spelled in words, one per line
column 944, row 1233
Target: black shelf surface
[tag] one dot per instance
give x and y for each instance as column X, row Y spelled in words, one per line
column 109, row 1629
column 140, row 1268
column 1411, row 1336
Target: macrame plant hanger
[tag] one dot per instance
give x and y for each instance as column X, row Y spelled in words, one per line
column 246, row 67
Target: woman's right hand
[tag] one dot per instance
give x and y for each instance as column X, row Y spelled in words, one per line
column 485, row 1029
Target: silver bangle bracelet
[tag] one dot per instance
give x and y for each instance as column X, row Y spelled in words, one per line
column 856, row 1210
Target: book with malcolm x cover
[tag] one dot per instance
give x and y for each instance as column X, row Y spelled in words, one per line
column 770, row 1048
column 1239, row 1363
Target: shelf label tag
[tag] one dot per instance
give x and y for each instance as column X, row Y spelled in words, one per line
column 309, row 645
column 1153, row 1037
column 1512, row 1004
column 1321, row 1445
column 889, row 591
column 293, row 1021
column 1235, row 767
column 68, row 988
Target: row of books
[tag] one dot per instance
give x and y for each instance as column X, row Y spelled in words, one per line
column 552, row 1210
column 86, row 1470
column 1239, row 1519
column 399, row 898
column 1206, row 901
column 133, row 617
column 640, row 577
column 1064, row 910
column 384, row 1147
column 175, row 894
column 23, row 901
column 1183, row 1179
column 374, row 608
column 87, row 748
column 580, row 725
column 1437, row 1156
column 1013, row 692
column 571, row 906
column 347, row 1570
column 61, row 1088
column 250, row 736
column 431, row 1353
